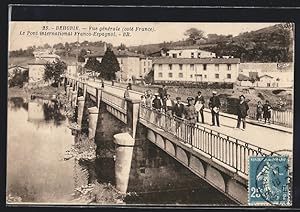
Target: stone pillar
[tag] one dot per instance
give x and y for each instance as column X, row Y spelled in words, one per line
column 124, row 150
column 74, row 98
column 93, row 118
column 69, row 92
column 80, row 101
column 132, row 115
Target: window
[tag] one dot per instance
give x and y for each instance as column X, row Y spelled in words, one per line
column 180, row 66
column 204, row 67
column 192, row 54
column 228, row 76
column 174, row 55
column 179, row 54
column 192, row 67
column 228, row 67
column 170, row 75
column 167, row 54
column 144, row 70
column 217, row 67
column 180, row 75
column 191, row 76
column 170, row 66
column 160, row 67
column 199, row 54
column 217, row 76
column 144, row 63
column 160, row 74
column 205, row 76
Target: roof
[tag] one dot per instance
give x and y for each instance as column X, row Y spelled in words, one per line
column 17, row 66
column 169, row 60
column 242, row 77
column 39, row 62
column 184, row 47
column 265, row 75
column 118, row 53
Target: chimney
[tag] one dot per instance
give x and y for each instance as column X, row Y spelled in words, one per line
column 105, row 47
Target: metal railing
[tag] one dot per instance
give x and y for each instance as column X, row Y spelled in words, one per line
column 282, row 118
column 227, row 150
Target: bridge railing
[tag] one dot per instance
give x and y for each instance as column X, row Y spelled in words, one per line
column 114, row 100
column 226, row 150
column 283, row 118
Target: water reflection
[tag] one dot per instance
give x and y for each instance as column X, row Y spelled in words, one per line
column 15, row 103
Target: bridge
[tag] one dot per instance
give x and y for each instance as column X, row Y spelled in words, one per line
column 219, row 155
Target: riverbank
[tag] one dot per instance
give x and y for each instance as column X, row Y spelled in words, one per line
column 26, row 93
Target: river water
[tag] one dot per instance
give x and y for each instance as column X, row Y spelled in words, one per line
column 38, row 138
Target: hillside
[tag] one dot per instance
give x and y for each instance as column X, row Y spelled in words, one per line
column 270, row 44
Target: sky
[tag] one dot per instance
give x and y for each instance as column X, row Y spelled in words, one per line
column 24, row 34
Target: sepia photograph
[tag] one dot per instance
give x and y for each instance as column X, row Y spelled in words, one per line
column 150, row 113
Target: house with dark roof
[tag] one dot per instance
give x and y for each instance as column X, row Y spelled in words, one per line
column 196, row 69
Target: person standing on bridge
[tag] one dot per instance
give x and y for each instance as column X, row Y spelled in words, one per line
column 177, row 113
column 259, row 111
column 242, row 109
column 157, row 106
column 267, row 112
column 199, row 105
column 162, row 92
column 214, row 105
column 168, row 106
column 191, row 117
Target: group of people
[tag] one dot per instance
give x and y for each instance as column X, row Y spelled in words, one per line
column 193, row 111
column 263, row 111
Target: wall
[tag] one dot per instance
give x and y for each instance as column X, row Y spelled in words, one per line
column 36, row 72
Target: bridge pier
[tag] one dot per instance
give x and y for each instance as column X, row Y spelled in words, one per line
column 74, row 98
column 80, row 101
column 124, row 150
column 93, row 118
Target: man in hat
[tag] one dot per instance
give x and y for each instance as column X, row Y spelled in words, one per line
column 191, row 117
column 242, row 109
column 157, row 106
column 199, row 105
column 214, row 105
column 177, row 113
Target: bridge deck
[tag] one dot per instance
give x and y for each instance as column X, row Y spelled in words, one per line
column 264, row 137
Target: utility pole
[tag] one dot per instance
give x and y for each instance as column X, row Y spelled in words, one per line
column 77, row 52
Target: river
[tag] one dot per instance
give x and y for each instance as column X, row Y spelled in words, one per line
column 38, row 138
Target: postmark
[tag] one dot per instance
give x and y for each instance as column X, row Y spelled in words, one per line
column 269, row 181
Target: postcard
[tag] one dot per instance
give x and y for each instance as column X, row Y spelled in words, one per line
column 150, row 113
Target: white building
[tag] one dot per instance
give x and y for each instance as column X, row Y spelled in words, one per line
column 196, row 70
column 277, row 75
column 46, row 54
column 188, row 52
column 36, row 71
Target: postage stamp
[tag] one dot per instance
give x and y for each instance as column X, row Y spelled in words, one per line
column 268, row 181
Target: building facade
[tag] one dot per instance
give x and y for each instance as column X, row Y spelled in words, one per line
column 196, row 69
column 36, row 71
column 276, row 75
column 188, row 52
column 132, row 65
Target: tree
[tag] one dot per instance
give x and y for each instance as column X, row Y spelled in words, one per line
column 93, row 64
column 53, row 71
column 194, row 34
column 81, row 55
column 109, row 65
